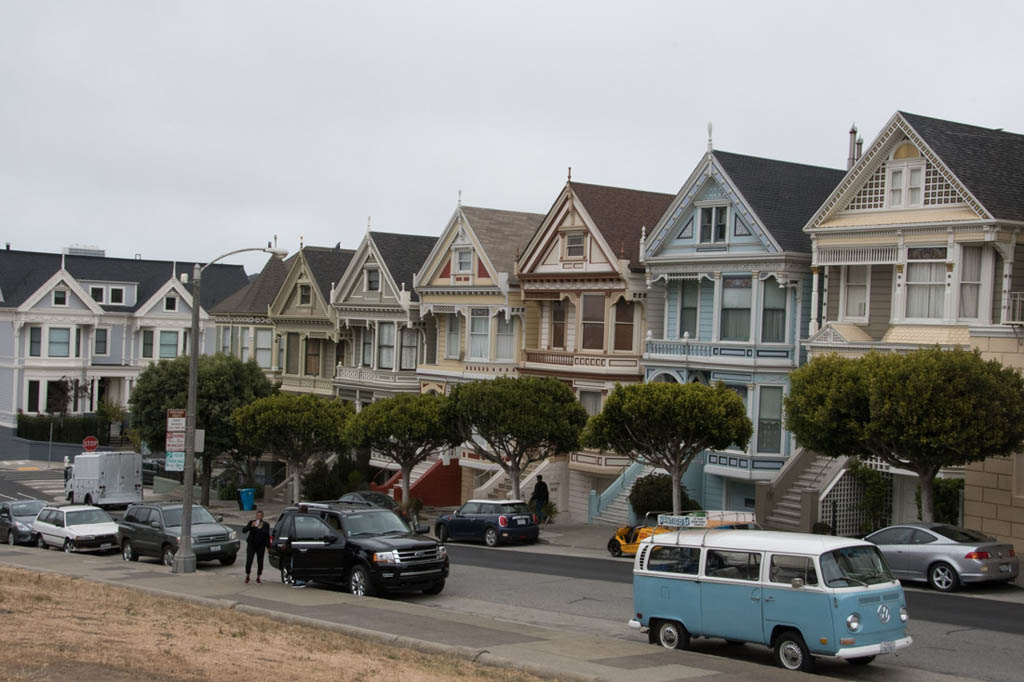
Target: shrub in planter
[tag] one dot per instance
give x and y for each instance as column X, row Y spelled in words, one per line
column 654, row 493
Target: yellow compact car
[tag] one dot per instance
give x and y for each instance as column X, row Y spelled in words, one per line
column 627, row 538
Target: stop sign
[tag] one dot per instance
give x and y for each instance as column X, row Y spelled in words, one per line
column 90, row 443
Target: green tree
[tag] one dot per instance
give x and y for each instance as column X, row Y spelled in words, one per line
column 407, row 429
column 514, row 422
column 919, row 411
column 223, row 385
column 296, row 428
column 667, row 425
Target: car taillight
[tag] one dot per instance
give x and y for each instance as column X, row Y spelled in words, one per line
column 1013, row 552
column 535, row 519
column 977, row 555
column 503, row 521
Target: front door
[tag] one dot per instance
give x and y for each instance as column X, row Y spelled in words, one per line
column 803, row 605
column 308, row 547
column 460, row 525
column 731, row 595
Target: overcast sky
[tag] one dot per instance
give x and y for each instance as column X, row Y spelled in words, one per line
column 182, row 130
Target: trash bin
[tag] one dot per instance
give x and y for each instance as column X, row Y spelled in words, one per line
column 248, row 496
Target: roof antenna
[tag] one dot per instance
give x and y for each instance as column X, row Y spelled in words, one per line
column 460, row 197
column 710, row 146
column 275, row 241
column 300, row 242
column 570, row 174
column 368, row 223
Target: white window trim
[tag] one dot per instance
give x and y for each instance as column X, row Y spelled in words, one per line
column 299, row 291
column 679, row 313
column 565, row 245
column 762, row 286
column 497, row 335
column 698, row 214
column 984, row 291
column 944, row 319
column 456, row 266
column 110, row 296
column 142, row 344
column 170, row 297
column 366, row 281
column 103, row 293
column 157, row 342
column 843, row 317
column 470, row 335
column 53, row 298
column 756, row 419
column 904, row 165
column 71, row 342
column 451, row 353
column 101, row 355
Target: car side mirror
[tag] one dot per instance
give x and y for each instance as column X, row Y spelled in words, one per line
column 797, row 583
column 220, row 519
column 154, row 523
column 458, row 512
column 422, row 529
column 330, row 539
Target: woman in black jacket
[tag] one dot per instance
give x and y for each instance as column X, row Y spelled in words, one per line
column 256, row 544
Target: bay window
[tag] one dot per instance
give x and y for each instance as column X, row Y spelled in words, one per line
column 591, row 401
column 100, row 342
column 386, row 345
column 773, row 313
column 367, row 347
column 690, row 294
column 59, row 342
column 312, row 367
column 558, row 324
column 168, row 344
column 970, row 281
column 292, row 354
column 623, row 325
column 410, row 348
column 593, row 321
column 479, row 334
column 736, row 293
column 855, row 291
column 243, row 342
column 264, row 347
column 35, row 341
column 147, row 343
column 506, row 339
column 769, row 420
column 926, row 282
column 453, row 340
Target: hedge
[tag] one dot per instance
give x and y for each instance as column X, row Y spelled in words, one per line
column 65, row 429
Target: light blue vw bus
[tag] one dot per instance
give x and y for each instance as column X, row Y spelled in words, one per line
column 802, row 595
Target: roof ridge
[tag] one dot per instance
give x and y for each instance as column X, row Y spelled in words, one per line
column 117, row 258
column 1000, row 131
column 622, row 189
column 779, row 161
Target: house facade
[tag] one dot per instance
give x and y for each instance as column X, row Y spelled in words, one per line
column 729, row 300
column 379, row 328
column 584, row 291
column 306, row 346
column 96, row 322
column 918, row 246
column 471, row 299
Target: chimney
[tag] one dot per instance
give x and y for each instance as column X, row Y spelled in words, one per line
column 860, row 146
column 852, row 158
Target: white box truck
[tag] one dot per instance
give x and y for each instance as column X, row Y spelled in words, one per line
column 104, row 479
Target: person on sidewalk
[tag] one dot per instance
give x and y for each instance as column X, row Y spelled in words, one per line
column 539, row 498
column 256, row 543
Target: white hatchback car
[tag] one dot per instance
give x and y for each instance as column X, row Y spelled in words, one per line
column 75, row 528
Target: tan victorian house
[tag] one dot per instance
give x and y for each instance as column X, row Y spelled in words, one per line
column 584, row 290
column 306, row 344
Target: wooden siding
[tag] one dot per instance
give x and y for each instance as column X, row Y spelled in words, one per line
column 880, row 304
column 707, row 310
column 835, row 283
column 656, row 312
column 532, row 329
column 670, row 298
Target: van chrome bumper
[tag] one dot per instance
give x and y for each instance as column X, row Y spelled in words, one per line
column 637, row 625
column 873, row 649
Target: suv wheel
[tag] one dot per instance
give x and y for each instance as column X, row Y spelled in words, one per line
column 491, row 536
column 359, row 582
column 228, row 560
column 435, row 588
column 286, row 574
column 442, row 534
column 127, row 553
column 168, row 556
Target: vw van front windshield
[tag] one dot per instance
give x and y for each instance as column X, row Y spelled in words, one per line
column 850, row 566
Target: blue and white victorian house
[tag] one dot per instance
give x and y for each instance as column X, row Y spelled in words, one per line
column 729, row 298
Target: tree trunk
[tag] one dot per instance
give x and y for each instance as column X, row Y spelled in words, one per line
column 513, row 473
column 677, row 500
column 406, row 484
column 297, row 481
column 926, row 481
column 204, row 497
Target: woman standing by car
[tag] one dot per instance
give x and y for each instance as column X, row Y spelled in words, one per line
column 257, row 541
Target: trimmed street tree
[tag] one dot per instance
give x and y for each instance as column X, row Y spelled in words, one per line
column 919, row 411
column 667, row 425
column 224, row 384
column 515, row 422
column 296, row 428
column 407, row 429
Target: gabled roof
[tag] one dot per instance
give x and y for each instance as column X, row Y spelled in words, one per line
column 403, row 255
column 784, row 195
column 23, row 272
column 256, row 296
column 502, row 234
column 621, row 214
column 989, row 162
column 326, row 266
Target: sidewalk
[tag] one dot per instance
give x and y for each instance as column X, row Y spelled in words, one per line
column 553, row 653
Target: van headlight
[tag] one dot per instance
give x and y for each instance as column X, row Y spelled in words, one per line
column 853, row 622
column 385, row 557
column 904, row 617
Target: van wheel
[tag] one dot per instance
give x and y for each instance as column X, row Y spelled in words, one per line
column 791, row 652
column 673, row 635
column 861, row 660
column 614, row 548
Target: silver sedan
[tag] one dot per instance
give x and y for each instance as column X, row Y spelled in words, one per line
column 946, row 556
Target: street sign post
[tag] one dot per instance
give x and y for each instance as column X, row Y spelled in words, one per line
column 90, row 443
column 175, row 442
column 176, row 420
column 175, row 461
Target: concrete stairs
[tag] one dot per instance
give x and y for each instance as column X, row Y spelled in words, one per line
column 618, row 512
column 786, row 513
column 500, row 486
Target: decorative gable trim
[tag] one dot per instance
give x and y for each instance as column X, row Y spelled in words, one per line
column 175, row 285
column 65, row 277
column 299, row 272
column 353, row 278
column 866, row 168
column 458, row 232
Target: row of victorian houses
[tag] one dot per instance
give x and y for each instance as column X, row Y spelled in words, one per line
column 752, row 267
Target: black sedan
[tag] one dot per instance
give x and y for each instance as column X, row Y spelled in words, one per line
column 16, row 520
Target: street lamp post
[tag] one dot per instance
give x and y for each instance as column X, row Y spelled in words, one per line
column 185, row 557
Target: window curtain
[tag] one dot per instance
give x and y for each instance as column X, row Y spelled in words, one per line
column 264, row 346
column 856, row 290
column 769, row 422
column 970, row 281
column 735, row 309
column 409, row 348
column 773, row 322
column 925, row 290
column 688, row 309
column 479, row 333
column 506, row 343
column 386, row 344
column 452, row 342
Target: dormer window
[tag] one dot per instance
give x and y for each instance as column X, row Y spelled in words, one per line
column 373, row 280
column 463, row 260
column 713, row 220
column 305, row 294
column 906, row 177
column 97, row 294
column 60, row 297
column 575, row 245
column 117, row 295
column 171, row 304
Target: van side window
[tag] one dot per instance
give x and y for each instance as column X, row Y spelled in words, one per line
column 734, row 565
column 784, row 568
column 674, row 559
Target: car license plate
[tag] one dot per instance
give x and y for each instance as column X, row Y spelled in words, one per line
column 1004, row 568
column 105, row 545
column 522, row 520
column 215, row 548
column 888, row 647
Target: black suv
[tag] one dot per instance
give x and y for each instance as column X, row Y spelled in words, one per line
column 366, row 550
column 155, row 529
